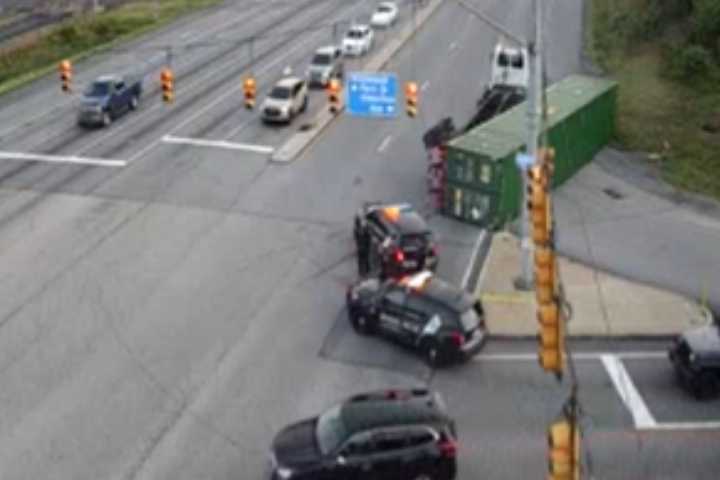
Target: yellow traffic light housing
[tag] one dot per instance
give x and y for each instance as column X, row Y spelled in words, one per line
column 167, row 83
column 411, row 99
column 65, row 69
column 538, row 205
column 250, row 90
column 334, row 90
column 564, row 446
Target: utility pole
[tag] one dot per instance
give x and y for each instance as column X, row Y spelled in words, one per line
column 525, row 281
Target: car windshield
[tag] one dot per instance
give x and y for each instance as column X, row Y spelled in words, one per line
column 330, row 430
column 280, row 93
column 384, row 9
column 355, row 34
column 98, row 89
column 322, row 59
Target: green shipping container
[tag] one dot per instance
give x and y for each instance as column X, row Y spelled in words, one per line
column 483, row 183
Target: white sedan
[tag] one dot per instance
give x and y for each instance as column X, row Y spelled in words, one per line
column 358, row 40
column 385, row 15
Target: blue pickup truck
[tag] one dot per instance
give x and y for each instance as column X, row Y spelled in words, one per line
column 107, row 98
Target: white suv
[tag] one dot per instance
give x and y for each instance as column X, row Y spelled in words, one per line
column 288, row 97
column 358, row 40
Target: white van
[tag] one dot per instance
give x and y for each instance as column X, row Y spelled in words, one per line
column 510, row 67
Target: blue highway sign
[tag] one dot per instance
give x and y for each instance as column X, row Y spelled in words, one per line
column 371, row 94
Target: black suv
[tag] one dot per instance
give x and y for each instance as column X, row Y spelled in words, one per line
column 443, row 321
column 387, row 435
column 695, row 354
column 400, row 240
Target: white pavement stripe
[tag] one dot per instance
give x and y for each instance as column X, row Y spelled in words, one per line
column 36, row 157
column 384, row 144
column 628, row 393
column 425, row 85
column 199, row 142
column 476, row 250
column 525, row 357
column 687, row 426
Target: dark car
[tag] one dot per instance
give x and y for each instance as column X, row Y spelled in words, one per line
column 695, row 354
column 400, row 240
column 386, row 435
column 107, row 98
column 442, row 321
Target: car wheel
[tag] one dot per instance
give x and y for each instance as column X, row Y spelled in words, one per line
column 361, row 322
column 106, row 119
column 432, row 353
column 134, row 102
column 705, row 386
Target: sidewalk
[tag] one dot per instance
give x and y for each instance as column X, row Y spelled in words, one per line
column 603, row 305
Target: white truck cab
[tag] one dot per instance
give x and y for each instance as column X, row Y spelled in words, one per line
column 510, row 67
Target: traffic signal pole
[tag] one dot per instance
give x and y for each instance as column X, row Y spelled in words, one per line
column 525, row 281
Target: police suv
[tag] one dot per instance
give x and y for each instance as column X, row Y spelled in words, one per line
column 440, row 320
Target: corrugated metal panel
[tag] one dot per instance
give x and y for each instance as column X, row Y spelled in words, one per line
column 581, row 115
column 470, row 205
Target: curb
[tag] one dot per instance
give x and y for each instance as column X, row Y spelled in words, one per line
column 299, row 142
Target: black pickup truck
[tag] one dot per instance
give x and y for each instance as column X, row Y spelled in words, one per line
column 107, row 98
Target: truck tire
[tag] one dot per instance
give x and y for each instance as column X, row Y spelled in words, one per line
column 134, row 101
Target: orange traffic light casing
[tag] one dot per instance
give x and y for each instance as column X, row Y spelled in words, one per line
column 167, row 83
column 538, row 204
column 550, row 334
column 564, row 450
column 250, row 92
column 411, row 98
column 65, row 69
column 334, row 90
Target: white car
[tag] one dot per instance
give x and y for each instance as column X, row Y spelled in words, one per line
column 358, row 40
column 510, row 67
column 288, row 98
column 385, row 15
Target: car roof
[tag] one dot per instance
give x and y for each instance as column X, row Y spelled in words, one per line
column 288, row 82
column 362, row 416
column 387, row 4
column 426, row 285
column 359, row 27
column 108, row 78
column 326, row 50
column 402, row 218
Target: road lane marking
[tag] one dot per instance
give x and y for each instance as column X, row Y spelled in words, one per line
column 384, row 144
column 425, row 85
column 687, row 426
column 199, row 142
column 476, row 250
column 72, row 159
column 525, row 357
column 630, row 396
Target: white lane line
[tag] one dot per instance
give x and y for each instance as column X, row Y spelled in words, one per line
column 425, row 85
column 630, row 396
column 384, row 144
column 525, row 357
column 687, row 426
column 36, row 157
column 199, row 142
column 473, row 257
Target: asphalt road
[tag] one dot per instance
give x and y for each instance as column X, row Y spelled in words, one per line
column 163, row 320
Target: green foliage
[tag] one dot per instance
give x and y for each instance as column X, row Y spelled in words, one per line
column 688, row 62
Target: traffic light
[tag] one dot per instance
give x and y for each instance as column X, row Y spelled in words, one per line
column 250, row 89
column 65, row 68
column 334, row 95
column 538, row 204
column 564, row 446
column 167, row 83
column 411, row 99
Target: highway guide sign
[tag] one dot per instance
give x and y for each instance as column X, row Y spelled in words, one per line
column 371, row 94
